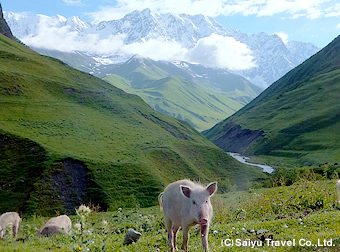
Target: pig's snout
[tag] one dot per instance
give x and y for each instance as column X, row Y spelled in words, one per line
column 203, row 221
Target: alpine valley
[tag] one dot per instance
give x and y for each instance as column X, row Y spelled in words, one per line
column 67, row 137
column 201, row 94
column 72, row 143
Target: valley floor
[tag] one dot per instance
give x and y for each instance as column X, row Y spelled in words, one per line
column 301, row 217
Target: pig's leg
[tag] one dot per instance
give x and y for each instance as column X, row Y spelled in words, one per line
column 2, row 233
column 16, row 228
column 175, row 229
column 185, row 230
column 204, row 234
column 168, row 224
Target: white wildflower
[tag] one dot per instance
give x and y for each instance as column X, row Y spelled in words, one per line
column 83, row 211
column 77, row 226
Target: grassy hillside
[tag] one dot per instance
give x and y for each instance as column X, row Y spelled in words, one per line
column 67, row 138
column 298, row 117
column 200, row 96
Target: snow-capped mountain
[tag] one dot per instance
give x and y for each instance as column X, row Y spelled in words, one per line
column 144, row 25
column 177, row 37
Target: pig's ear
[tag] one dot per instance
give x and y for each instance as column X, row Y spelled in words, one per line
column 211, row 188
column 186, row 191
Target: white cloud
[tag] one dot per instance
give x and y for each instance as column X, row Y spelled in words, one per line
column 310, row 9
column 157, row 49
column 291, row 8
column 222, row 52
column 61, row 38
column 72, row 2
column 213, row 51
column 333, row 11
column 283, row 36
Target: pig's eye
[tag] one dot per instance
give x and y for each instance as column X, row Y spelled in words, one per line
column 206, row 201
column 194, row 202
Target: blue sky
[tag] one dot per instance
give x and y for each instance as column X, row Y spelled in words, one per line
column 315, row 21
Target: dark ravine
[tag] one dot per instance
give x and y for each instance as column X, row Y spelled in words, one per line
column 73, row 182
column 233, row 138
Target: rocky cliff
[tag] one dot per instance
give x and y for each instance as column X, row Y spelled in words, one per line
column 4, row 28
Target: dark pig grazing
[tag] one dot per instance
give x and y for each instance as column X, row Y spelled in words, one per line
column 185, row 204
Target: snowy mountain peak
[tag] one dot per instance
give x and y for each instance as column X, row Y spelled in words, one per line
column 196, row 39
column 77, row 24
column 61, row 19
column 146, row 12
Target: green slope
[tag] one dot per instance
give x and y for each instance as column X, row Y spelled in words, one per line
column 67, row 138
column 200, row 96
column 296, row 119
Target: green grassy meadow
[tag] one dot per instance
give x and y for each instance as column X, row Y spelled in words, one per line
column 303, row 212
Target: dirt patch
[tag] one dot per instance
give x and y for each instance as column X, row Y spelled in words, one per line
column 70, row 91
column 74, row 183
column 71, row 182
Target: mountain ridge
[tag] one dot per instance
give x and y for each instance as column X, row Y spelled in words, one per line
column 199, row 95
column 4, row 28
column 186, row 30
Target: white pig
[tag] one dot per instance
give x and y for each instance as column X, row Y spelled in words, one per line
column 7, row 219
column 56, row 225
column 185, row 204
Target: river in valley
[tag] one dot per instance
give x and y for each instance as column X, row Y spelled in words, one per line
column 242, row 159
